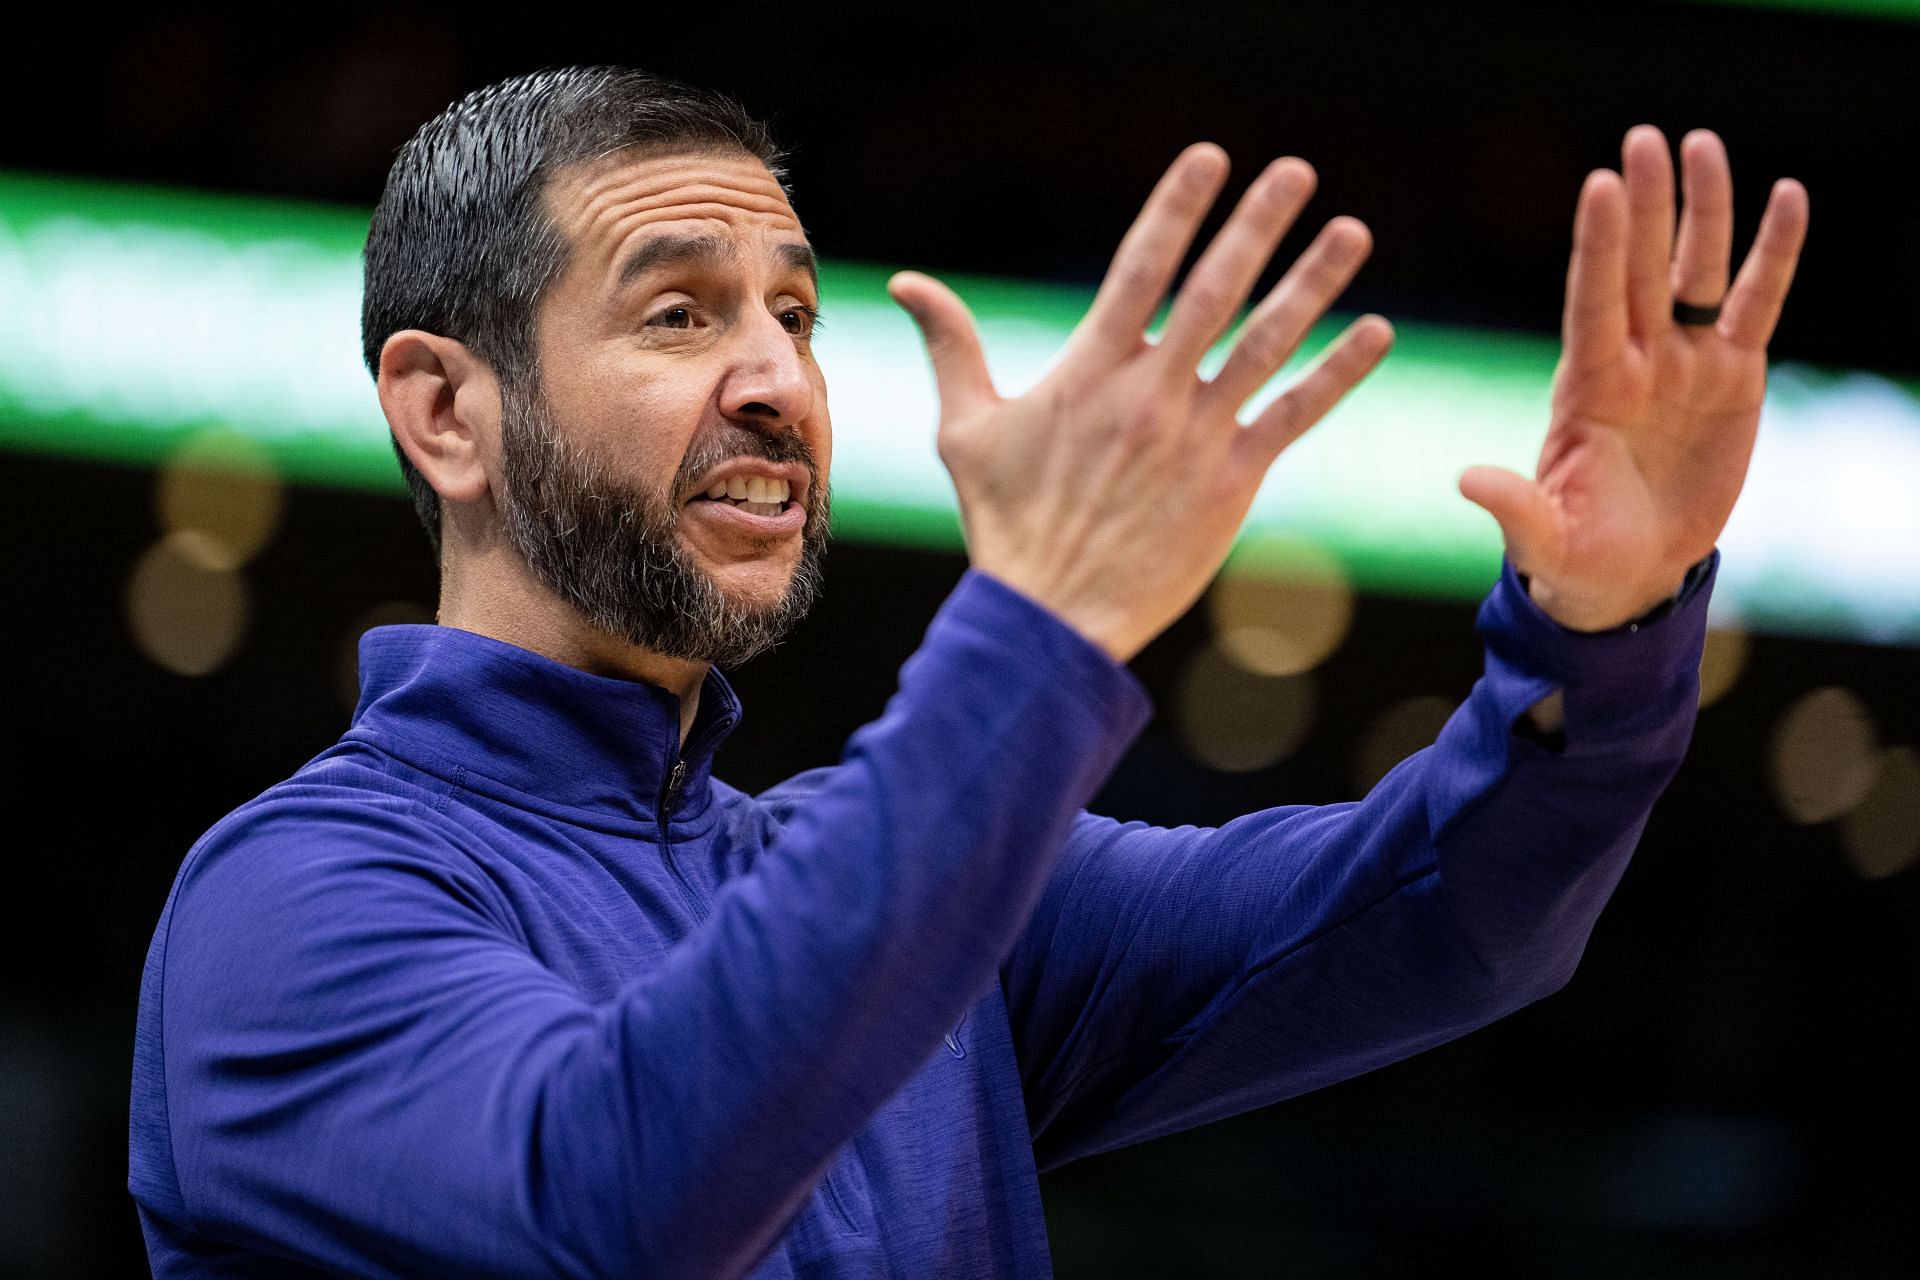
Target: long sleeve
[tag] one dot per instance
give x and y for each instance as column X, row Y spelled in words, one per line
column 1174, row 977
column 368, row 1071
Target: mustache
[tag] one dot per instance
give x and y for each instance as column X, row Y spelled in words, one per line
column 726, row 443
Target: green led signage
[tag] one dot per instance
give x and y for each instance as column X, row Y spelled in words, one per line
column 132, row 320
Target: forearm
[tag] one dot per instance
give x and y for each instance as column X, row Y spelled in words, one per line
column 1534, row 827
column 1299, row 946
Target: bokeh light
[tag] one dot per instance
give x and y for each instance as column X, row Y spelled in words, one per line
column 1236, row 721
column 1396, row 733
column 1281, row 606
column 1824, row 756
column 1881, row 836
column 1722, row 661
column 223, row 485
column 186, row 606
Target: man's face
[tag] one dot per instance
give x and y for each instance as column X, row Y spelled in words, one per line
column 667, row 475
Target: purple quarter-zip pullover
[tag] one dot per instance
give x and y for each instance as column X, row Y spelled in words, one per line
column 505, row 983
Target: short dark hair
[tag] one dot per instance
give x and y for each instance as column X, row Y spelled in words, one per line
column 461, row 244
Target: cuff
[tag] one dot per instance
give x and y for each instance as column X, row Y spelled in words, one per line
column 1606, row 676
column 1038, row 646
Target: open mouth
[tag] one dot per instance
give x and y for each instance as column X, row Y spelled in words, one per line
column 755, row 495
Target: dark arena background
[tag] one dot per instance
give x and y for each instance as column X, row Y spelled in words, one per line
column 195, row 537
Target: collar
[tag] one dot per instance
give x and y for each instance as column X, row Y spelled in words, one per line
column 492, row 717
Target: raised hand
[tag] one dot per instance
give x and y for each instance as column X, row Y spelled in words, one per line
column 1653, row 418
column 1111, row 492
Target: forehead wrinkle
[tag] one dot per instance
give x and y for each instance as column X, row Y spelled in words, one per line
column 615, row 222
column 724, row 182
column 610, row 202
column 703, row 193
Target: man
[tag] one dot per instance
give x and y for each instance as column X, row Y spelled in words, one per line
column 505, row 983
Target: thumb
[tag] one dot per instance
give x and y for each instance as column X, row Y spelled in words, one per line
column 1527, row 518
column 953, row 342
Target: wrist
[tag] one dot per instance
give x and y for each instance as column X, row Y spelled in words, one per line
column 1598, row 616
column 1100, row 625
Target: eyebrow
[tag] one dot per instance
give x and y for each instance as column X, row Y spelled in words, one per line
column 799, row 257
column 671, row 250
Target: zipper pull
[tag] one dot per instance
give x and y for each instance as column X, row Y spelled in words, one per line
column 674, row 779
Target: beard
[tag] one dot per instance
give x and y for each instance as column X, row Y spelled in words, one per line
column 612, row 550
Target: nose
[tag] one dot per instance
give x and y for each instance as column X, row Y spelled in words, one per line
column 769, row 385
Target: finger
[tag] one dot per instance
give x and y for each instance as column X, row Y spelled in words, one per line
column 953, row 342
column 1594, row 328
column 1220, row 281
column 1526, row 515
column 1352, row 357
column 1706, row 224
column 1648, row 172
column 1151, row 251
column 1754, row 302
column 1281, row 322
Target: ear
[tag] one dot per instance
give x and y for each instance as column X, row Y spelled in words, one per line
column 443, row 403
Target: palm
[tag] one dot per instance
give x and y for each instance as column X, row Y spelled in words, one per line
column 1644, row 459
column 1653, row 420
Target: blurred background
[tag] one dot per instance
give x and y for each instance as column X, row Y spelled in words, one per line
column 200, row 517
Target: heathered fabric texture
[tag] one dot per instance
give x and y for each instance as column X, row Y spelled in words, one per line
column 462, row 997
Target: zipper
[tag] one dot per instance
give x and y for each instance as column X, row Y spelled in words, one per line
column 700, row 745
column 676, row 777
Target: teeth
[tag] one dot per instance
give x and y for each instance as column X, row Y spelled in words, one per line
column 756, row 489
column 761, row 508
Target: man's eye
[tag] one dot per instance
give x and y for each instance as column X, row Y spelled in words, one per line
column 800, row 321
column 674, row 318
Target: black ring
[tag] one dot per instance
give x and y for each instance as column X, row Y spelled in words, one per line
column 1687, row 313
